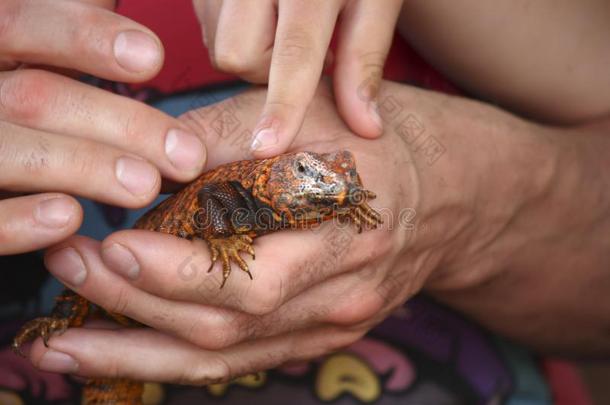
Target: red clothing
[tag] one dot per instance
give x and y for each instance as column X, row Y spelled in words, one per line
column 186, row 60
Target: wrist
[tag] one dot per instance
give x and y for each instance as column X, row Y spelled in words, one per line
column 494, row 165
column 541, row 186
column 440, row 159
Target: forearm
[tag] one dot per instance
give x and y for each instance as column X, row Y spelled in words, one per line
column 545, row 59
column 533, row 260
column 514, row 221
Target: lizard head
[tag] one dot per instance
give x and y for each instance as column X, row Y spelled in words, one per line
column 312, row 185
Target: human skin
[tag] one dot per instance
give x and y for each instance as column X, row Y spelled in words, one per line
column 510, row 228
column 285, row 43
column 61, row 138
column 546, row 59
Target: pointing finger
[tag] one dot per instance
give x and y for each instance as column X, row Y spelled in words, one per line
column 296, row 66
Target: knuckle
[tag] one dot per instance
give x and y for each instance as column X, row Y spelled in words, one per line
column 26, row 94
column 120, row 302
column 90, row 36
column 295, row 48
column 202, row 335
column 356, row 309
column 112, row 368
column 81, row 159
column 371, row 64
column 31, row 161
column 264, row 300
column 249, row 327
column 212, row 370
column 230, row 60
column 373, row 61
column 282, row 101
column 261, row 306
column 132, row 125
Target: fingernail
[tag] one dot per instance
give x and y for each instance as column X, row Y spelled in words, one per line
column 136, row 51
column 137, row 176
column 54, row 212
column 67, row 265
column 184, row 150
column 119, row 259
column 264, row 139
column 373, row 108
column 58, row 362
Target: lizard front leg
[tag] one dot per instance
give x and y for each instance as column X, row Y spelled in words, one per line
column 227, row 225
column 361, row 213
column 70, row 310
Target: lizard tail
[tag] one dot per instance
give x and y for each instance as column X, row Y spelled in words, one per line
column 112, row 391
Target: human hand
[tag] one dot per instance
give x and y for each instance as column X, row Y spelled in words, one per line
column 313, row 290
column 58, row 135
column 473, row 175
column 285, row 43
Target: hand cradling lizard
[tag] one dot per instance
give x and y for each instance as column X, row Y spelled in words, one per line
column 228, row 207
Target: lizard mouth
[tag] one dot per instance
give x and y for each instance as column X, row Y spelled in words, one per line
column 353, row 195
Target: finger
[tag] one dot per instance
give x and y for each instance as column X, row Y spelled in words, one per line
column 57, row 104
column 37, row 161
column 366, row 35
column 231, row 141
column 78, row 36
column 296, row 65
column 33, row 222
column 76, row 262
column 107, row 4
column 208, row 12
column 286, row 264
column 244, row 38
column 137, row 353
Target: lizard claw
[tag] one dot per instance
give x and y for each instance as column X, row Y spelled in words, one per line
column 227, row 249
column 363, row 215
column 369, row 195
column 39, row 327
column 353, row 214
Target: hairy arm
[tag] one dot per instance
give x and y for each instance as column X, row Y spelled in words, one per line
column 545, row 59
column 521, row 215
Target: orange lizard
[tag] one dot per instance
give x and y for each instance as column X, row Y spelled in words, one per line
column 228, row 207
